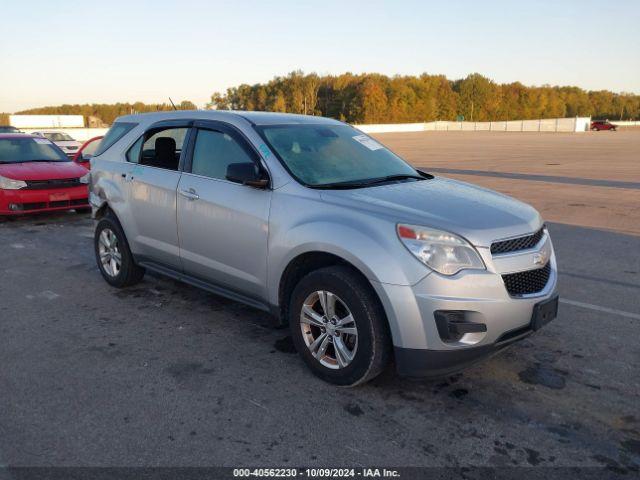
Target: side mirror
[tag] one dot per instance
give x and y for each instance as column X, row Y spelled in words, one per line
column 247, row 174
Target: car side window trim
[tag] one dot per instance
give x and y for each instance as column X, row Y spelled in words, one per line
column 164, row 124
column 235, row 134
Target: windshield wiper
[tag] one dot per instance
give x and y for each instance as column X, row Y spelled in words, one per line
column 391, row 178
column 367, row 183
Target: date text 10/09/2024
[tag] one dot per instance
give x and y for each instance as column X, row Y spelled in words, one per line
column 316, row 472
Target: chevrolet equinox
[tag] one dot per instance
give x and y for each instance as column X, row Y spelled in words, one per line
column 367, row 259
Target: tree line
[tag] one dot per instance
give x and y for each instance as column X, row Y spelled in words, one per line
column 375, row 98
column 103, row 111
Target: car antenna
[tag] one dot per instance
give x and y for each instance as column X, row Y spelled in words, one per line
column 173, row 104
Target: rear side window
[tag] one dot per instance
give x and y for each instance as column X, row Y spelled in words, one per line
column 115, row 133
column 214, row 152
column 160, row 148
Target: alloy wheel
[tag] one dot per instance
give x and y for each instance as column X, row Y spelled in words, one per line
column 328, row 329
column 109, row 252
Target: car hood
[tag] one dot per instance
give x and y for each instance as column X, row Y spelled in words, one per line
column 41, row 170
column 478, row 214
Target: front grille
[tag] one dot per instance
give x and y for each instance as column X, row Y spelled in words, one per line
column 48, row 184
column 31, row 206
column 23, row 207
column 525, row 283
column 515, row 244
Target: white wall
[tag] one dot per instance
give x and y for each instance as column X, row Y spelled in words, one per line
column 46, row 121
column 577, row 124
column 626, row 123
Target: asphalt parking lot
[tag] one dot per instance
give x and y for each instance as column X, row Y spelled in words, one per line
column 163, row 374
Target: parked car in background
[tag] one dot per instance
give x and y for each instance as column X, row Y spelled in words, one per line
column 365, row 257
column 36, row 176
column 8, row 129
column 67, row 144
column 598, row 125
column 86, row 151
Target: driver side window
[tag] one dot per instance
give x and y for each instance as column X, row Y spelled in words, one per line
column 213, row 153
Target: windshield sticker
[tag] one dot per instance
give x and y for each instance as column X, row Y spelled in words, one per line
column 42, row 141
column 368, row 142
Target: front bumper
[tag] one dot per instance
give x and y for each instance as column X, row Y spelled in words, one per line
column 436, row 363
column 24, row 201
column 420, row 349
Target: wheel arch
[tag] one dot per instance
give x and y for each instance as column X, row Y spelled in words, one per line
column 305, row 263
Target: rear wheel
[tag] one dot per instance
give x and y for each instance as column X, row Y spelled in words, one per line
column 113, row 255
column 339, row 327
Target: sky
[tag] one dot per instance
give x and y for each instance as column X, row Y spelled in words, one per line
column 112, row 50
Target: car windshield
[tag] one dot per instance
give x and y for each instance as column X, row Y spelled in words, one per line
column 333, row 155
column 90, row 148
column 29, row 149
column 58, row 137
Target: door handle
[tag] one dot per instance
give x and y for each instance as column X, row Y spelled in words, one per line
column 189, row 194
column 128, row 177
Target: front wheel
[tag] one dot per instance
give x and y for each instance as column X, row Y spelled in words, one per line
column 113, row 256
column 339, row 327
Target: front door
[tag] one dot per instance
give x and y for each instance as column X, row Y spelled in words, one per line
column 223, row 226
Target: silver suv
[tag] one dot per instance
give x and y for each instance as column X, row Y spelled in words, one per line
column 364, row 257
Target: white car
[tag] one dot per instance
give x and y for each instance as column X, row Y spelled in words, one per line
column 68, row 145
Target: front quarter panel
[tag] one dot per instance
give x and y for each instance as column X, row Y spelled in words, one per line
column 300, row 222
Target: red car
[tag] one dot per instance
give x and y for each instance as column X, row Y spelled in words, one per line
column 86, row 151
column 36, row 176
column 598, row 125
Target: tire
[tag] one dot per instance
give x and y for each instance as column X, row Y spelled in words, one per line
column 128, row 273
column 364, row 341
column 83, row 210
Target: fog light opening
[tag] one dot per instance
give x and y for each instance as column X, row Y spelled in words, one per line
column 454, row 324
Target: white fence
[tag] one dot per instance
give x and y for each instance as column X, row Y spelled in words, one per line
column 577, row 124
column 46, row 121
column 626, row 123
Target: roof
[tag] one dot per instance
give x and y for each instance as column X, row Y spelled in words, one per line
column 256, row 118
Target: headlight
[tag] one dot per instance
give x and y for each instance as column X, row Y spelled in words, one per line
column 444, row 252
column 11, row 184
column 86, row 178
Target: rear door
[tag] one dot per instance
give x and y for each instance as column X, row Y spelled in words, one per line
column 222, row 225
column 152, row 180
